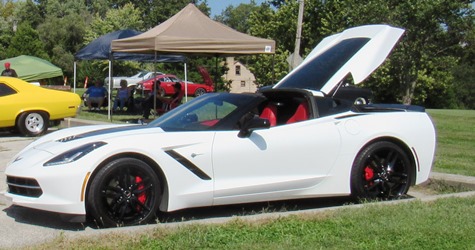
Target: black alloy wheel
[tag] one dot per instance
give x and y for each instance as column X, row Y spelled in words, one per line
column 382, row 170
column 123, row 193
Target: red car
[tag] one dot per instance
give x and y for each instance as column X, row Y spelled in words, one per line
column 167, row 81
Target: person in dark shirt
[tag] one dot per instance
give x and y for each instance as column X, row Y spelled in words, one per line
column 163, row 104
column 175, row 100
column 148, row 103
column 9, row 71
column 95, row 94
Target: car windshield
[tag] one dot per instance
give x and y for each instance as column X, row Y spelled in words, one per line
column 142, row 74
column 219, row 111
column 317, row 72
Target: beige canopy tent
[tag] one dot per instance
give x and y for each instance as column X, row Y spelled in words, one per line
column 192, row 32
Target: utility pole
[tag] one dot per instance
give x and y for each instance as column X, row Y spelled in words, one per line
column 296, row 59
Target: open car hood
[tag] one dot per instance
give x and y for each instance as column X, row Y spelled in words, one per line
column 206, row 77
column 357, row 51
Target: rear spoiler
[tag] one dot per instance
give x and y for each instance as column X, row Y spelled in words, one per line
column 388, row 108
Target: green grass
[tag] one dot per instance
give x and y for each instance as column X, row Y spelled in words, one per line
column 455, row 141
column 442, row 224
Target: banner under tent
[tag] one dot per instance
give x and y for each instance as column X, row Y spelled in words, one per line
column 31, row 68
column 100, row 49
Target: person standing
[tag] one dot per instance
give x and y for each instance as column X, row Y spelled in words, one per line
column 9, row 71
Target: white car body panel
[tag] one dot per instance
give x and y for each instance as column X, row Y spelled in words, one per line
column 252, row 180
column 201, row 160
column 236, row 179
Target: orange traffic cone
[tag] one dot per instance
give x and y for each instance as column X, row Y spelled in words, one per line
column 85, row 82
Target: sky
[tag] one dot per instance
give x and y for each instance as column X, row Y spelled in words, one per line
column 217, row 6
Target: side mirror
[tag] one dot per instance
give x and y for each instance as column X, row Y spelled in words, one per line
column 189, row 118
column 249, row 125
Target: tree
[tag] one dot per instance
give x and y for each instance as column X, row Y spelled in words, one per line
column 233, row 16
column 63, row 31
column 29, row 12
column 26, row 42
column 435, row 31
column 155, row 12
column 419, row 65
column 126, row 17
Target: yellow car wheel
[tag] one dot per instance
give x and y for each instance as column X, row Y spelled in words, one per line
column 32, row 123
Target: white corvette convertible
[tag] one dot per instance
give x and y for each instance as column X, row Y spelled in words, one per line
column 294, row 140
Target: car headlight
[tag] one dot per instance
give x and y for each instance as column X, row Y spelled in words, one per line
column 74, row 154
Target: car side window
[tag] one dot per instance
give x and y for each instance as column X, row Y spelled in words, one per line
column 173, row 79
column 214, row 111
column 6, row 90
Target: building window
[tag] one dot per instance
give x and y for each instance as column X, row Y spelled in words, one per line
column 243, row 84
column 238, row 70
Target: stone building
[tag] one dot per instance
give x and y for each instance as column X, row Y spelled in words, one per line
column 242, row 80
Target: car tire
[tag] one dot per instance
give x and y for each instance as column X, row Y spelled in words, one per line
column 360, row 101
column 381, row 170
column 162, row 92
column 32, row 123
column 200, row 91
column 124, row 192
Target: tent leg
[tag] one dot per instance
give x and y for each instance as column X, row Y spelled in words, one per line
column 109, row 115
column 216, row 75
column 74, row 85
column 273, row 68
column 186, row 83
column 154, row 94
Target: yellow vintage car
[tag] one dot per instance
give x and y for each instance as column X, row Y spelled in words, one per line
column 30, row 109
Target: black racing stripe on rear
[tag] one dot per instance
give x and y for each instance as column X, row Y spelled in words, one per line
column 347, row 116
column 188, row 164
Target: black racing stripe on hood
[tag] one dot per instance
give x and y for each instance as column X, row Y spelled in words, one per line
column 188, row 164
column 101, row 132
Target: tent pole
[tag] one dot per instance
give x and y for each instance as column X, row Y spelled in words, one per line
column 216, row 75
column 273, row 68
column 74, row 84
column 154, row 94
column 186, row 83
column 109, row 115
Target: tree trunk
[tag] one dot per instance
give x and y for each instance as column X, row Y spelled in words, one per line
column 407, row 98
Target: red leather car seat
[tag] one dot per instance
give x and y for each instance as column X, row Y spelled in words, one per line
column 301, row 113
column 270, row 113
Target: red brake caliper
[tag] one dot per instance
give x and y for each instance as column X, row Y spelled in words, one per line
column 142, row 197
column 368, row 173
